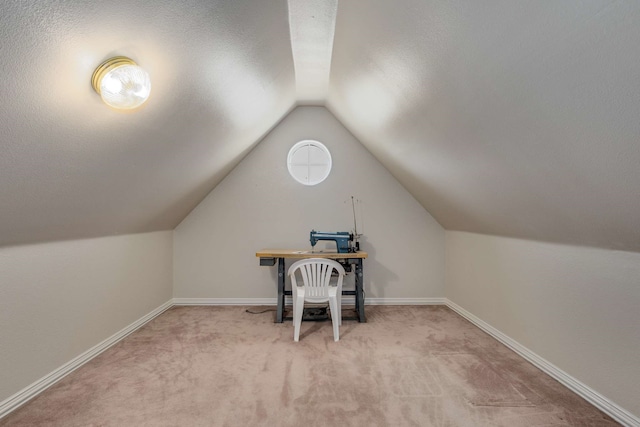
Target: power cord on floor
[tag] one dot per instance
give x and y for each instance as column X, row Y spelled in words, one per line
column 260, row 312
column 355, row 314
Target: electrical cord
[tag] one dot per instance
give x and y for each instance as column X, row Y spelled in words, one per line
column 259, row 312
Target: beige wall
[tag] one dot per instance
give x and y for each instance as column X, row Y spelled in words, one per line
column 576, row 307
column 258, row 205
column 57, row 300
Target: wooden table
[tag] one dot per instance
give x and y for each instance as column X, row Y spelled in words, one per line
column 268, row 257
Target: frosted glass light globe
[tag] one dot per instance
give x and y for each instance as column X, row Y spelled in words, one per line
column 122, row 83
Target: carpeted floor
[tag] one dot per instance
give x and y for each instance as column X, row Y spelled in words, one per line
column 222, row 366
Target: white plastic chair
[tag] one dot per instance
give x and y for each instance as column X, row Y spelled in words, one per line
column 316, row 277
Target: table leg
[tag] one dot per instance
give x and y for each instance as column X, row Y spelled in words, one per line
column 280, row 310
column 360, row 291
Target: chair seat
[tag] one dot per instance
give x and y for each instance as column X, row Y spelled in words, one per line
column 333, row 292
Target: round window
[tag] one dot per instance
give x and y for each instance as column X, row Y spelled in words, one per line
column 309, row 162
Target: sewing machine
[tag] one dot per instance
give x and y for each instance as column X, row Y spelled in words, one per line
column 343, row 240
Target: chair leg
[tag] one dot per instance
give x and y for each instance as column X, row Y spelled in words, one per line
column 335, row 317
column 294, row 317
column 298, row 309
column 339, row 298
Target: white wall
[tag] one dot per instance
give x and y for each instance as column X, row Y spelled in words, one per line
column 258, row 205
column 576, row 307
column 57, row 300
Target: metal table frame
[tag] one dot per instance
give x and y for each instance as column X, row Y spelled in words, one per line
column 282, row 293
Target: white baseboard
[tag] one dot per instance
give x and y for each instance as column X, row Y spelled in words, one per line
column 404, row 301
column 31, row 391
column 224, row 301
column 619, row 414
column 350, row 300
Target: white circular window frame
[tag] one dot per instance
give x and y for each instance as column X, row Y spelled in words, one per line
column 297, row 169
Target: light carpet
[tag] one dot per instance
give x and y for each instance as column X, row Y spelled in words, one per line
column 222, row 366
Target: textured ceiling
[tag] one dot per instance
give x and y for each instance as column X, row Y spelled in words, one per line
column 510, row 118
column 222, row 75
column 513, row 118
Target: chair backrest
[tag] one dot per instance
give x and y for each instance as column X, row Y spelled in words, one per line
column 316, row 275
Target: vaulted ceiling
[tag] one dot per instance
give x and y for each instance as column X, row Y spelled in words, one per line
column 513, row 118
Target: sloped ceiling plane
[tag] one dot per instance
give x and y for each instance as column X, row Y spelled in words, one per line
column 517, row 119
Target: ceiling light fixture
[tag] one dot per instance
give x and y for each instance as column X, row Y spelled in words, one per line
column 121, row 83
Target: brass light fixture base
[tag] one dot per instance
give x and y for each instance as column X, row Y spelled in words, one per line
column 105, row 67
